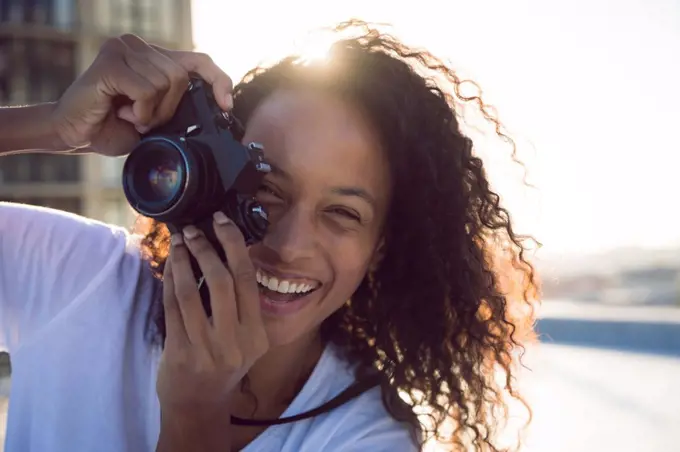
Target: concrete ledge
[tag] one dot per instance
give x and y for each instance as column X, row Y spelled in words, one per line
column 654, row 338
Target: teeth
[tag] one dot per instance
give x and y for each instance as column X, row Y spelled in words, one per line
column 281, row 286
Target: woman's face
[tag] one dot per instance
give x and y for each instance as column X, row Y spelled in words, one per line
column 327, row 197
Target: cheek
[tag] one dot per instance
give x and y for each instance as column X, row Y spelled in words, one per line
column 350, row 268
column 350, row 257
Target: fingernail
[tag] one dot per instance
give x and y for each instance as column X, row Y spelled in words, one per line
column 221, row 218
column 142, row 129
column 191, row 232
column 229, row 101
column 176, row 240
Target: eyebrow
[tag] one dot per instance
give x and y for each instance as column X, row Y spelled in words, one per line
column 356, row 192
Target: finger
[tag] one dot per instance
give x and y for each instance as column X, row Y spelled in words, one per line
column 146, row 112
column 241, row 268
column 126, row 114
column 218, row 278
column 176, row 76
column 174, row 325
column 117, row 137
column 204, row 66
column 179, row 82
column 194, row 318
column 121, row 80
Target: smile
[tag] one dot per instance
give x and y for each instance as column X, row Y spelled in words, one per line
column 283, row 295
column 286, row 285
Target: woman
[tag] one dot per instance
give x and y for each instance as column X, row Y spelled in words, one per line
column 379, row 271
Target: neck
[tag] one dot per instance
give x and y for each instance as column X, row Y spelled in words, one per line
column 278, row 376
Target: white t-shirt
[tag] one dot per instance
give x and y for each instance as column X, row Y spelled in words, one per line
column 74, row 304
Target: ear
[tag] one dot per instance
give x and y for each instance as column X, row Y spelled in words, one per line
column 378, row 255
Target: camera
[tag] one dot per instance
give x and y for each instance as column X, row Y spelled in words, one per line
column 182, row 172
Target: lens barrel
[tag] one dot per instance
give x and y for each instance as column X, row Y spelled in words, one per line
column 156, row 176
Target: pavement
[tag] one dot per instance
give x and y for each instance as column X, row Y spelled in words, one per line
column 601, row 400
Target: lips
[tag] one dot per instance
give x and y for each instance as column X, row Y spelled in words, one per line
column 284, row 294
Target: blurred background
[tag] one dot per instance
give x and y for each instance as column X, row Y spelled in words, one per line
column 590, row 90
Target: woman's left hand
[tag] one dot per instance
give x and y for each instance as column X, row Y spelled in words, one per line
column 204, row 361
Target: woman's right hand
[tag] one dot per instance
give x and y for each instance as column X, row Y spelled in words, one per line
column 150, row 82
column 203, row 359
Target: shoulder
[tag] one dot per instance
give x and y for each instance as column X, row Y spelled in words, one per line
column 52, row 233
column 57, row 262
column 24, row 218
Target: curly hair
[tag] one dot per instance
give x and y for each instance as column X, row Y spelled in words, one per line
column 441, row 317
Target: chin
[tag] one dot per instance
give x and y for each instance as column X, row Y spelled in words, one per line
column 285, row 332
column 298, row 320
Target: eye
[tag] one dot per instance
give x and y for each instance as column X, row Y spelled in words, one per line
column 345, row 213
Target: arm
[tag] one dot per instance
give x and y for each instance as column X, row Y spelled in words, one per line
column 49, row 261
column 110, row 104
column 38, row 246
column 29, row 129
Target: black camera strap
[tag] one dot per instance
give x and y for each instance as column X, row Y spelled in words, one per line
column 353, row 391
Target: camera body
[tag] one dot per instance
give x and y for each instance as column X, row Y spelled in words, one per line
column 185, row 170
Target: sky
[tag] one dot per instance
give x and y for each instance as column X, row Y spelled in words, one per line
column 589, row 88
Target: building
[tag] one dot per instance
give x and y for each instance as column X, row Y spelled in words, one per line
column 44, row 45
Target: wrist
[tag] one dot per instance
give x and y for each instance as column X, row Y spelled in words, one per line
column 187, row 431
column 30, row 129
column 51, row 138
column 41, row 134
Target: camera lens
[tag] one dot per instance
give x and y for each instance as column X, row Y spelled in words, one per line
column 161, row 181
column 155, row 176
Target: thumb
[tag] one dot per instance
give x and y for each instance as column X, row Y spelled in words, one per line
column 117, row 137
column 126, row 113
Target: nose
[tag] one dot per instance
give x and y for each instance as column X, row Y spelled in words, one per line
column 291, row 236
